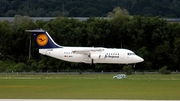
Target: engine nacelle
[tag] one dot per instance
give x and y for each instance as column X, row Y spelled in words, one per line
column 97, row 56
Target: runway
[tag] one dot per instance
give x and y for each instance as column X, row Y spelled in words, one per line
column 75, row 100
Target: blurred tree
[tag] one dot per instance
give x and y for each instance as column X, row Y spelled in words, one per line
column 127, row 69
column 153, row 38
column 5, row 40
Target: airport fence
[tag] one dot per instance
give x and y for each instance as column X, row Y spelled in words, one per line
column 82, row 72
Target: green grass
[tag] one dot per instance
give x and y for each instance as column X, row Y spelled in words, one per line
column 90, row 86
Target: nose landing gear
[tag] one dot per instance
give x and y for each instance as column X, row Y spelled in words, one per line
column 134, row 65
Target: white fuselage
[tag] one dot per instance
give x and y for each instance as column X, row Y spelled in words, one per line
column 48, row 47
column 79, row 54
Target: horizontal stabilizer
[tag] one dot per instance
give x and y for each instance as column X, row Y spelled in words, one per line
column 36, row 31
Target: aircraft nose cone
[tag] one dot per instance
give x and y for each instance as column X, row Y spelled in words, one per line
column 139, row 59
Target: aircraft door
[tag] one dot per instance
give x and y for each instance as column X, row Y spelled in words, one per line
column 61, row 53
column 121, row 55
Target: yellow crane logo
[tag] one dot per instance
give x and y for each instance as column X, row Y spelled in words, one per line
column 42, row 39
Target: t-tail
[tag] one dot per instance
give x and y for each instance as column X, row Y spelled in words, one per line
column 43, row 39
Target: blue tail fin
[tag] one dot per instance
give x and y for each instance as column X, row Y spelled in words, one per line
column 43, row 39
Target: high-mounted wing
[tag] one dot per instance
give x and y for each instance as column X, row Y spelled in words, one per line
column 88, row 50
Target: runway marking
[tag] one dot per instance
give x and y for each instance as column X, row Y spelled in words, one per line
column 76, row 100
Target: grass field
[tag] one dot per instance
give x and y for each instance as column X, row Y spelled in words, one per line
column 90, row 86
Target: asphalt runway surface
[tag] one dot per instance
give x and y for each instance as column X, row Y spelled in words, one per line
column 75, row 100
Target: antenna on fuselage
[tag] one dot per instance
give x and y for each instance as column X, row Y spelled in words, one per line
column 121, row 44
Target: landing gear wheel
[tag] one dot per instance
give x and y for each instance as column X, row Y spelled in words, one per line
column 134, row 65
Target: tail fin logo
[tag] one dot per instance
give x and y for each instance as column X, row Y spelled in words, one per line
column 42, row 39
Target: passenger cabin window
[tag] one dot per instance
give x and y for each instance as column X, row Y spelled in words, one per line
column 112, row 53
column 67, row 52
column 130, row 53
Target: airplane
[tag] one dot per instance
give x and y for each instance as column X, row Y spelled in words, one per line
column 90, row 55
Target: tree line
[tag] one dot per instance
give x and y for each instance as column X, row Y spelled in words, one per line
column 152, row 38
column 88, row 8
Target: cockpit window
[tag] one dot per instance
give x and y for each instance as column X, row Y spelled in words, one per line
column 130, row 53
